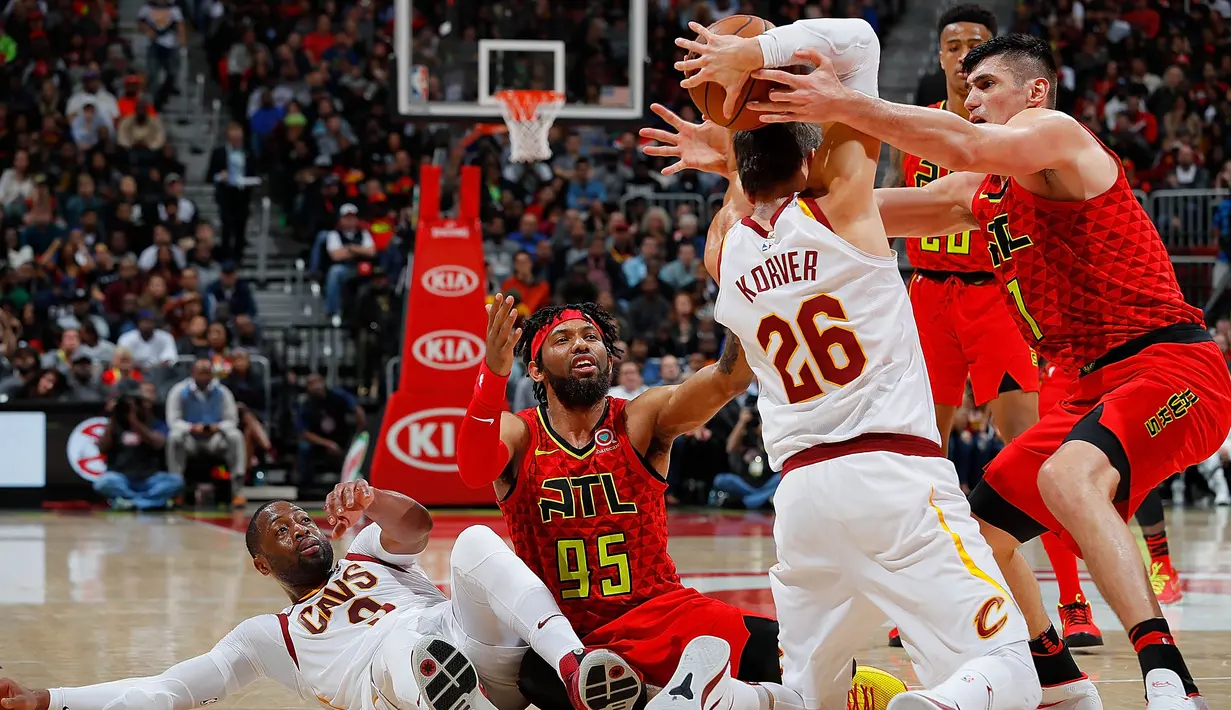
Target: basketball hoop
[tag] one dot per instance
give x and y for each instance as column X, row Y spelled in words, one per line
column 529, row 114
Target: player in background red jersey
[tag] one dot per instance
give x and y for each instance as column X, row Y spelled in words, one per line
column 581, row 484
column 964, row 328
column 1092, row 288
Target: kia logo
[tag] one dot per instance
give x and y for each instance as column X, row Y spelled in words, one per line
column 427, row 439
column 449, row 349
column 450, row 281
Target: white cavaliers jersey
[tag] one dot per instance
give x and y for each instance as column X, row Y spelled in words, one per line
column 828, row 331
column 334, row 633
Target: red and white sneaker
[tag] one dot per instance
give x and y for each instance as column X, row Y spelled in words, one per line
column 1164, row 691
column 1080, row 630
column 895, row 638
column 600, row 680
column 1166, row 583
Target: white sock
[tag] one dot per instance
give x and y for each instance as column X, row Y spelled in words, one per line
column 763, row 696
column 1005, row 679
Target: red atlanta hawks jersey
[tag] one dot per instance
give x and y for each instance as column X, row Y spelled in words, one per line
column 592, row 522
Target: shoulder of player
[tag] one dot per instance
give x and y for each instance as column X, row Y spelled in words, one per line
column 1049, row 125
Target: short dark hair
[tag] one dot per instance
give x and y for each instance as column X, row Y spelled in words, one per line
column 252, row 538
column 968, row 12
column 1027, row 54
column 771, row 155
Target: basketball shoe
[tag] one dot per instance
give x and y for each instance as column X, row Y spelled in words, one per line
column 1165, row 692
column 1076, row 695
column 1166, row 582
column 446, row 679
column 600, row 680
column 1079, row 628
column 895, row 638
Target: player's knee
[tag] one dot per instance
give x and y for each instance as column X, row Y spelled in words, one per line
column 1077, row 473
column 1002, row 543
column 475, row 544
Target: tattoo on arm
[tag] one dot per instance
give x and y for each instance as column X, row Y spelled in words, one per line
column 730, row 354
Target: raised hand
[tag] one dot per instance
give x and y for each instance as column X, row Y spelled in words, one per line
column 502, row 334
column 345, row 504
column 809, row 98
column 699, row 146
column 726, row 60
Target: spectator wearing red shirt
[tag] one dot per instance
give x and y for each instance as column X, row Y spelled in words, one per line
column 1145, row 18
column 532, row 292
column 315, row 43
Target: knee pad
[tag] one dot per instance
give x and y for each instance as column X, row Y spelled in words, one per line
column 475, row 544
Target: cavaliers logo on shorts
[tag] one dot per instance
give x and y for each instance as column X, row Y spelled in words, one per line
column 990, row 609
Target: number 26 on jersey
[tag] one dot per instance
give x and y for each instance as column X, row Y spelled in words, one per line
column 823, row 348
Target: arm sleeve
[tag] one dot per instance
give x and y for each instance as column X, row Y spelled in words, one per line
column 481, row 455
column 850, row 44
column 367, row 542
column 229, row 666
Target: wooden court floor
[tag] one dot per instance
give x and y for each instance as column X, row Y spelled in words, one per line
column 87, row 598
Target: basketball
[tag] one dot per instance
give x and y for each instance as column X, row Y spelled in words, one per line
column 709, row 96
column 873, row 688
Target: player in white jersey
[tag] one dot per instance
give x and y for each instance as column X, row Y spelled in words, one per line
column 371, row 631
column 871, row 522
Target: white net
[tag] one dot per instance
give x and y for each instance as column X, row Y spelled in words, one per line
column 529, row 115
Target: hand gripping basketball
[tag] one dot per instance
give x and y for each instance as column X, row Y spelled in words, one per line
column 345, row 504
column 818, row 97
column 725, row 59
column 15, row 697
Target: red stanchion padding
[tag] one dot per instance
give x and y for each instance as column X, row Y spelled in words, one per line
column 443, row 344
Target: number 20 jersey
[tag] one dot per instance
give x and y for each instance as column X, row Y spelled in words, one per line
column 962, row 253
column 592, row 522
column 828, row 330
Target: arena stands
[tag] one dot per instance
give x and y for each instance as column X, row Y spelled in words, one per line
column 112, row 219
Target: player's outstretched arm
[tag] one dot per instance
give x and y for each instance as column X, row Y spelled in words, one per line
column 1034, row 140
column 490, row 437
column 679, row 409
column 729, row 60
column 404, row 523
column 232, row 664
column 940, row 207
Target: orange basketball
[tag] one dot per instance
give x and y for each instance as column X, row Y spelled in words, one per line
column 709, row 96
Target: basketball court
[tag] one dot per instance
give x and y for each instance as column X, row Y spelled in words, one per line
column 94, row 597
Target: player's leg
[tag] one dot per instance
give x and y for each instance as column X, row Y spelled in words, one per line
column 1106, row 466
column 1163, row 578
column 1076, row 618
column 932, row 303
column 925, row 538
column 499, row 603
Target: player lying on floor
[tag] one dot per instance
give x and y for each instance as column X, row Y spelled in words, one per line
column 371, row 631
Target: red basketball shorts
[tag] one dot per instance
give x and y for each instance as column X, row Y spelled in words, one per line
column 652, row 636
column 966, row 331
column 1153, row 413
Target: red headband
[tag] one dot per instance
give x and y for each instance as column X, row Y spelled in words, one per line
column 565, row 315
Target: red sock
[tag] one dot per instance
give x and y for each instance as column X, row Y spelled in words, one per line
column 1160, row 551
column 1064, row 562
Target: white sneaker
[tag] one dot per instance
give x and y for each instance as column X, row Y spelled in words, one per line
column 447, row 679
column 1077, row 695
column 1164, row 691
column 922, row 700
column 701, row 681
